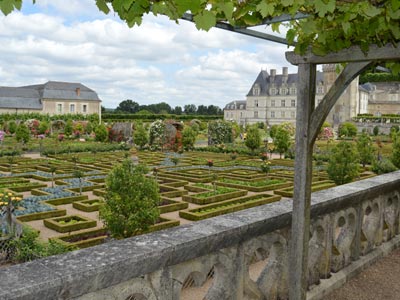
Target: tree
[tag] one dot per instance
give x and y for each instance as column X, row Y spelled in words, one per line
column 253, row 139
column 365, row 149
column 190, row 109
column 101, row 133
column 79, row 174
column 282, row 140
column 188, row 137
column 177, row 110
column 343, row 163
column 68, row 128
column 375, row 131
column 22, row 134
column 128, row 106
column 396, row 151
column 131, row 200
column 347, row 129
column 140, row 136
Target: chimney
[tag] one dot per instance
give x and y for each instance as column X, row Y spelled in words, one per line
column 273, row 73
column 78, row 91
column 285, row 74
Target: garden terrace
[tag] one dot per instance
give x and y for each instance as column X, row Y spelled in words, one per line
column 185, row 189
column 242, row 255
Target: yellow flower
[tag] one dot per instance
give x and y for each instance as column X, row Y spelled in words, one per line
column 3, row 203
column 9, row 194
column 18, row 198
column 1, row 195
column 12, row 198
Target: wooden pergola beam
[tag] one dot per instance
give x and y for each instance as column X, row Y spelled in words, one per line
column 352, row 54
column 308, row 122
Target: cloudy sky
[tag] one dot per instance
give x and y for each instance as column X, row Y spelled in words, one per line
column 158, row 61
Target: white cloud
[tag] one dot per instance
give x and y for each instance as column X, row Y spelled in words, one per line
column 158, row 61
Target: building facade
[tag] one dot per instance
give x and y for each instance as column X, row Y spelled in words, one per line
column 384, row 98
column 52, row 97
column 272, row 99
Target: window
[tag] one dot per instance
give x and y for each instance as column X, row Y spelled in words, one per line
column 293, row 103
column 84, row 108
column 283, row 103
column 272, row 114
column 256, row 90
column 72, row 108
column 284, row 91
column 282, row 114
column 293, row 91
column 256, row 114
column 255, row 103
column 320, row 90
column 59, row 108
column 293, row 114
column 273, row 91
column 241, row 114
column 272, row 103
column 241, row 106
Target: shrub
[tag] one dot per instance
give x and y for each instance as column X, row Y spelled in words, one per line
column 253, row 139
column 131, row 200
column 347, row 129
column 343, row 163
column 383, row 166
column 375, row 131
column 68, row 128
column 396, row 150
column 22, row 134
column 220, row 132
column 101, row 133
column 365, row 149
column 188, row 137
column 140, row 136
column 12, row 127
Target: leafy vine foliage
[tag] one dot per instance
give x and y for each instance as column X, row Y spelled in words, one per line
column 330, row 25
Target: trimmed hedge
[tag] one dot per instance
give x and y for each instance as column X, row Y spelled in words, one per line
column 220, row 208
column 172, row 205
column 42, row 215
column 316, row 186
column 216, row 198
column 153, row 117
column 83, row 223
column 267, row 187
column 87, row 205
column 83, row 239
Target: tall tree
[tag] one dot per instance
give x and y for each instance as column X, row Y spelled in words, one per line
column 190, row 109
column 177, row 110
column 365, row 149
column 343, row 163
column 253, row 138
column 128, row 106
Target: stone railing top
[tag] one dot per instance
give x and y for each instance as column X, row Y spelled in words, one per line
column 82, row 271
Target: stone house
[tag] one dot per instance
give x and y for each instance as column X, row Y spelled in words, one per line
column 52, row 97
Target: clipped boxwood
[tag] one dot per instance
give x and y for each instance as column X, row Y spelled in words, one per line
column 212, row 210
column 261, row 188
column 42, row 215
column 215, row 198
column 83, row 239
column 88, row 205
column 69, row 223
column 168, row 205
column 25, row 187
column 66, row 200
column 315, row 186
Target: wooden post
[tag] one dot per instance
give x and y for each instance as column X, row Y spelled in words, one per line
column 298, row 256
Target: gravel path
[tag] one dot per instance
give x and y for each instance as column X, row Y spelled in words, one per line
column 380, row 281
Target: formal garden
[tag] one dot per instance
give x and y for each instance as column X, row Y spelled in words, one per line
column 69, row 184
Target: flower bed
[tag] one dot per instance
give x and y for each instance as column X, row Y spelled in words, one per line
column 315, row 186
column 210, row 197
column 256, row 186
column 69, row 223
column 168, row 205
column 212, row 210
column 88, row 205
column 83, row 239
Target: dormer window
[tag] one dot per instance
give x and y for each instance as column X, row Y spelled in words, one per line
column 256, row 90
column 273, row 91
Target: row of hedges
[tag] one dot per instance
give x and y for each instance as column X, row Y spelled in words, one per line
column 220, row 208
column 86, row 148
column 154, row 117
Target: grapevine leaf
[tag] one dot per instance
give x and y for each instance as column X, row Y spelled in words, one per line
column 6, row 6
column 395, row 5
column 127, row 4
column 266, row 9
column 371, row 11
column 205, row 20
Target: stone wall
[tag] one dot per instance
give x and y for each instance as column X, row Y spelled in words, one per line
column 349, row 223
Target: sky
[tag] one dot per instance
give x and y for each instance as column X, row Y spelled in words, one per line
column 159, row 61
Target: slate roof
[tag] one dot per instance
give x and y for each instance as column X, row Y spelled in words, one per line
column 22, row 98
column 264, row 81
column 31, row 96
column 236, row 105
column 65, row 91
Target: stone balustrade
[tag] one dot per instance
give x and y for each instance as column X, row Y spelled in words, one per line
column 244, row 254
